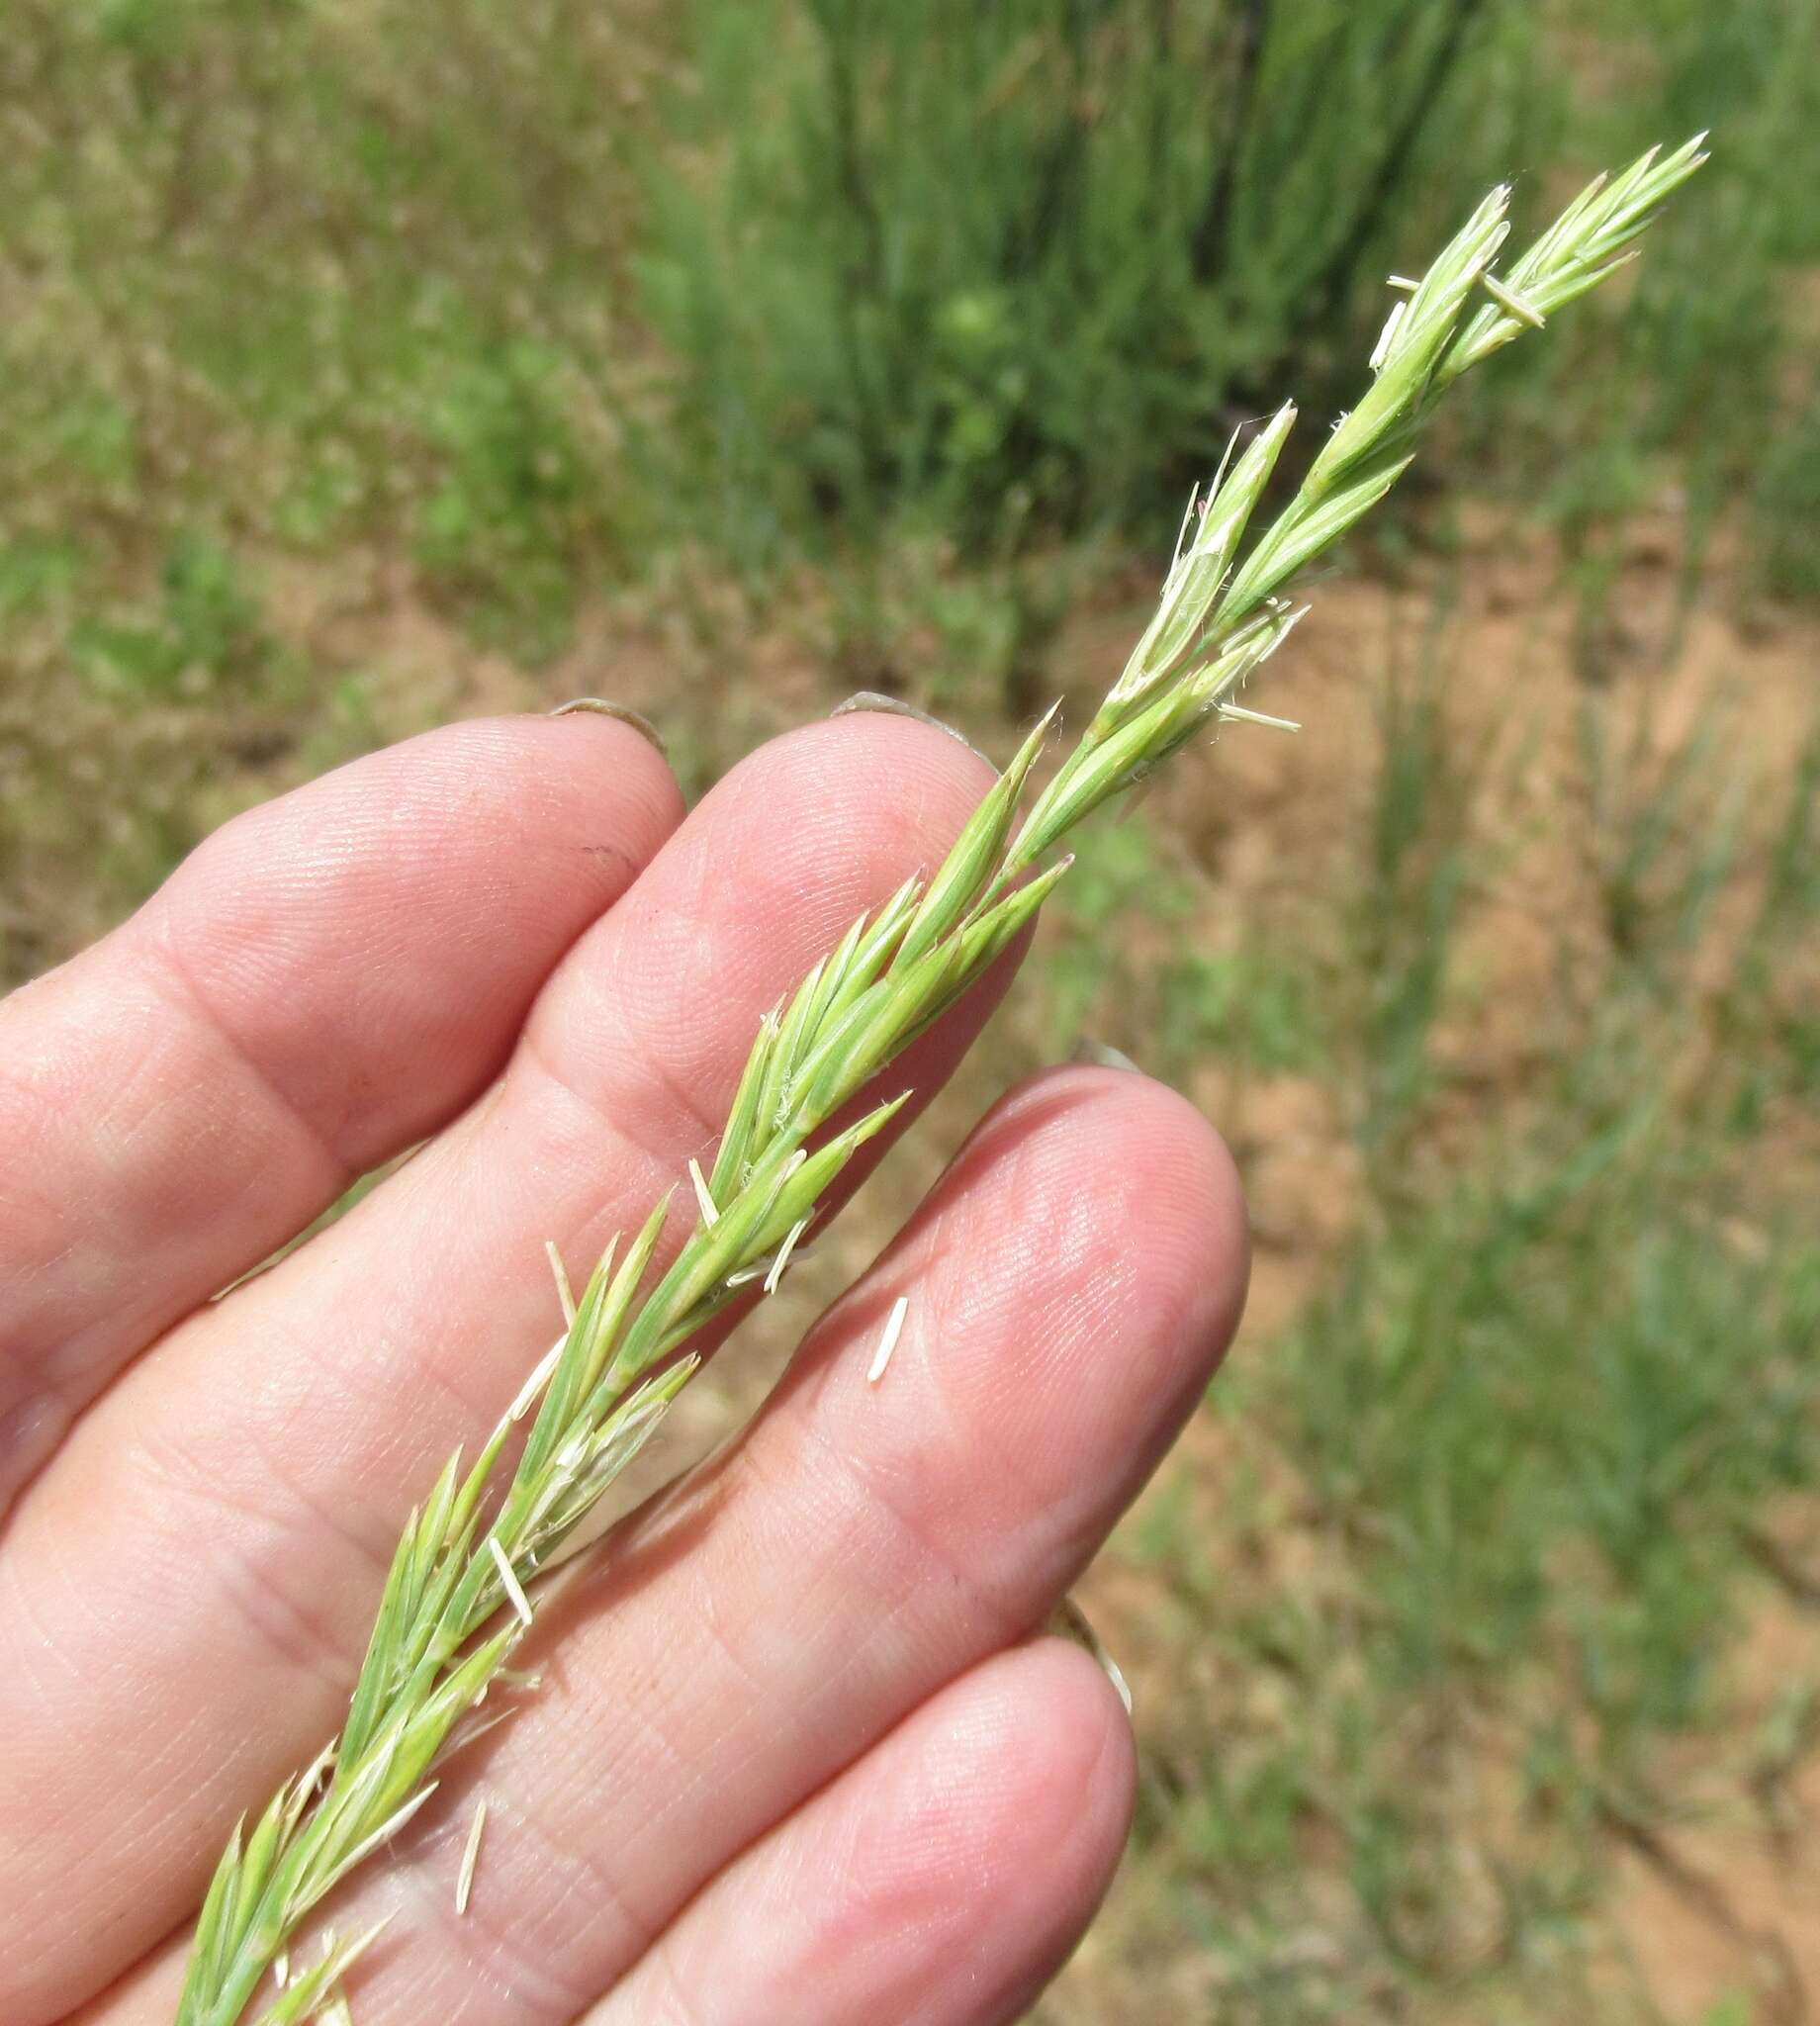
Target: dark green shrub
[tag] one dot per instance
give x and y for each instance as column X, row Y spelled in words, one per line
column 1041, row 254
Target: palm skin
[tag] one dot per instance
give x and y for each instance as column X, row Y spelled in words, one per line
column 798, row 1755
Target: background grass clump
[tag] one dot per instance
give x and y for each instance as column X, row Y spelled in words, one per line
column 365, row 366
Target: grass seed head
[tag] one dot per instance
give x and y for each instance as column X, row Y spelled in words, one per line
column 625, row 1355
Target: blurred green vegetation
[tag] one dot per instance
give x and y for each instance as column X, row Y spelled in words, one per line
column 516, row 304
column 1168, row 215
column 879, row 339
column 528, row 291
column 1165, row 212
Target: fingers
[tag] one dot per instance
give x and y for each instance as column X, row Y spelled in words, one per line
column 1069, row 1286
column 941, row 1880
column 328, row 980
column 191, row 1582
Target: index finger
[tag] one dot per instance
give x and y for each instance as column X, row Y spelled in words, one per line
column 328, row 978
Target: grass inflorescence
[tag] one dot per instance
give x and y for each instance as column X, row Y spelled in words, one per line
column 463, row 1585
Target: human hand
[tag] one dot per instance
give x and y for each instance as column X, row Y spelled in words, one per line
column 796, row 1756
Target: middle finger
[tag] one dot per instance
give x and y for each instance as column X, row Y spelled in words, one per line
column 1070, row 1282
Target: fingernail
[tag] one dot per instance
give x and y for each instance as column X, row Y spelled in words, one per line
column 600, row 707
column 895, row 707
column 1099, row 1054
column 1069, row 1621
